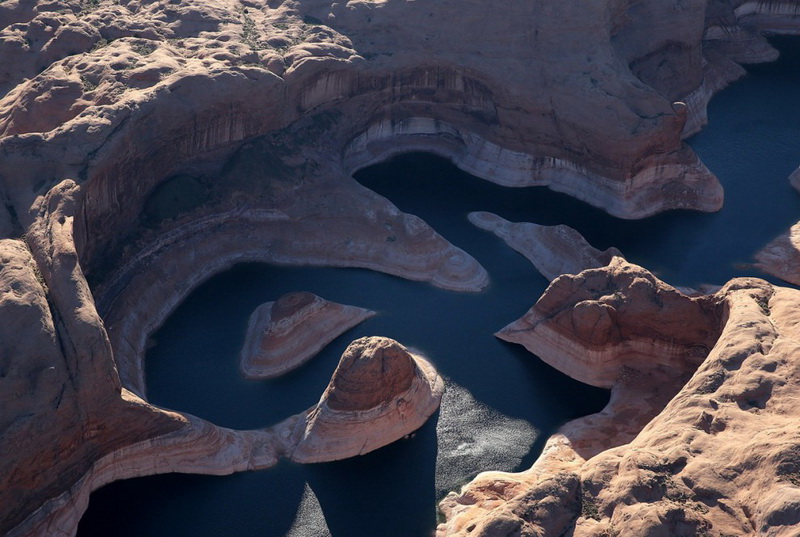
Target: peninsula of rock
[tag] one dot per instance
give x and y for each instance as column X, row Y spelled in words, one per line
column 553, row 250
column 699, row 437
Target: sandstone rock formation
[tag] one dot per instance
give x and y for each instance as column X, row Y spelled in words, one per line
column 714, row 455
column 594, row 324
column 553, row 250
column 284, row 334
column 146, row 146
column 781, row 257
column 68, row 424
column 379, row 393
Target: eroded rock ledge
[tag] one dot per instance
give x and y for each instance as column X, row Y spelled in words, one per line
column 679, row 450
column 592, row 324
column 553, row 250
column 286, row 333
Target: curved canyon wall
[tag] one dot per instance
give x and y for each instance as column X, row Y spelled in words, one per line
column 146, row 146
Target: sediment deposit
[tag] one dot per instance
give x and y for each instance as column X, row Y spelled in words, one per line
column 379, row 393
column 145, row 147
column 284, row 334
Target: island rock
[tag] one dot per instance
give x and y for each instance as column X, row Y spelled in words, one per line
column 284, row 334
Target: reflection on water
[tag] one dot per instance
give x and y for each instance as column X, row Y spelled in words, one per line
column 310, row 520
column 501, row 402
column 472, row 437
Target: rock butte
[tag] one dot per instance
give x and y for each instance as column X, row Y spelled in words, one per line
column 379, row 393
column 553, row 250
column 592, row 324
column 147, row 146
column 284, row 334
column 686, row 446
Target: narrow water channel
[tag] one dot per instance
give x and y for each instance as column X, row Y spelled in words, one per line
column 501, row 402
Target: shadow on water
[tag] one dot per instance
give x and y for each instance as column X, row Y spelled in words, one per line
column 502, row 395
column 359, row 496
column 181, row 505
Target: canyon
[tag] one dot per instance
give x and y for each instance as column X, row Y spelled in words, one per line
column 148, row 146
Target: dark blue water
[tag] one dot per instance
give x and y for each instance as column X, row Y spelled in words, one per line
column 750, row 144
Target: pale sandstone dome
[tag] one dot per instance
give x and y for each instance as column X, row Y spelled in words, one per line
column 553, row 250
column 284, row 334
column 682, row 449
column 379, row 393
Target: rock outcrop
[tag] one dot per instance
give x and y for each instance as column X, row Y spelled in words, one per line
column 553, row 250
column 594, row 324
column 677, row 451
column 68, row 424
column 781, row 257
column 284, row 334
column 379, row 393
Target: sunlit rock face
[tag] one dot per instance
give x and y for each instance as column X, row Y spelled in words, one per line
column 781, row 257
column 379, row 393
column 284, row 334
column 685, row 445
column 147, row 146
column 594, row 324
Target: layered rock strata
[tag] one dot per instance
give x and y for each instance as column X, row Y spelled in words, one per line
column 553, row 250
column 619, row 316
column 733, row 35
column 716, row 454
column 379, row 393
column 69, row 426
column 306, row 221
column 151, row 145
column 284, row 334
